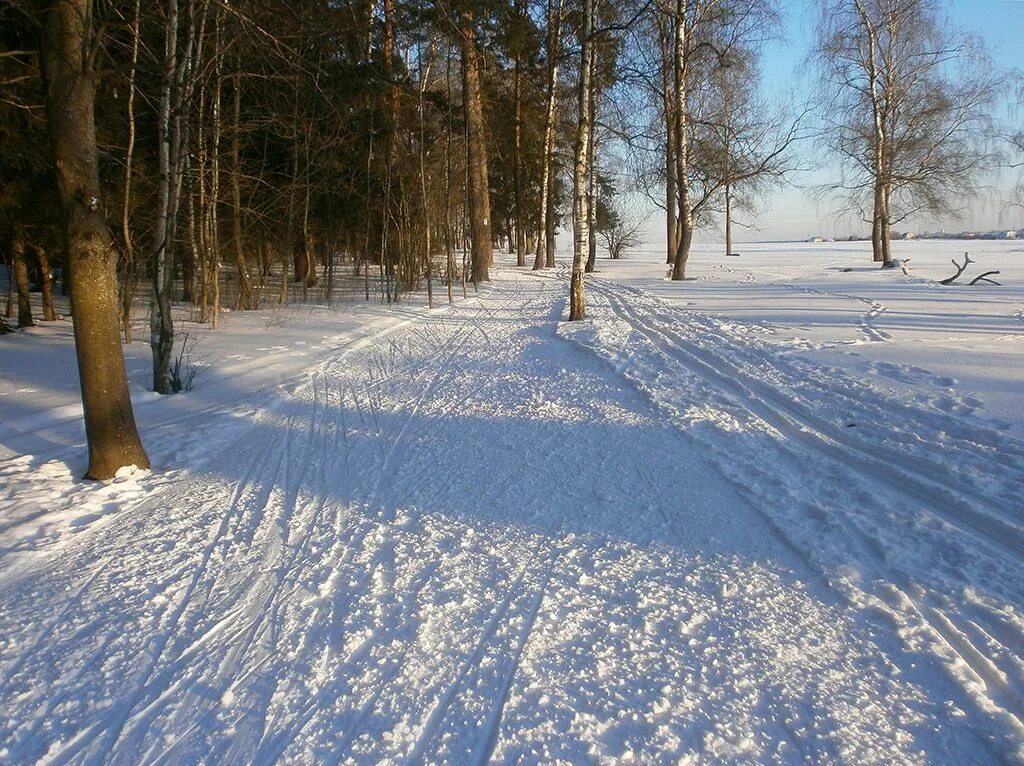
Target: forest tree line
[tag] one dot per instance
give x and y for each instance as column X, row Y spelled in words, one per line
column 174, row 143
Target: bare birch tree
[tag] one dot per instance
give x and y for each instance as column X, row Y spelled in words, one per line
column 580, row 209
column 171, row 125
column 906, row 101
column 546, row 230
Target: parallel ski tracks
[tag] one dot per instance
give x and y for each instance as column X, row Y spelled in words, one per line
column 280, row 469
column 413, row 425
column 286, row 475
column 331, row 449
column 933, row 495
column 925, row 488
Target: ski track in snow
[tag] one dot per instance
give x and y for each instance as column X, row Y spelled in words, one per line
column 960, row 515
column 467, row 540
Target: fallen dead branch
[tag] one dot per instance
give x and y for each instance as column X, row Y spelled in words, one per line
column 984, row 278
column 959, row 270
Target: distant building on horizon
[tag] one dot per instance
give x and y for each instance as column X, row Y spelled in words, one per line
column 999, row 234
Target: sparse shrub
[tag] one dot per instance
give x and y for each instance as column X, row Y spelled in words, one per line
column 186, row 365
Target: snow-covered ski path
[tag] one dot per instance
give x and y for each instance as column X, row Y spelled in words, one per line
column 487, row 536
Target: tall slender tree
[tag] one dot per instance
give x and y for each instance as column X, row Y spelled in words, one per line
column 580, row 207
column 478, row 185
column 170, row 126
column 19, row 271
column 545, row 256
column 666, row 36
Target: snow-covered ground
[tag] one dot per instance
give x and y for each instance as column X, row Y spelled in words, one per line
column 770, row 515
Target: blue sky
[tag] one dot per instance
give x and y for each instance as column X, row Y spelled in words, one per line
column 792, row 214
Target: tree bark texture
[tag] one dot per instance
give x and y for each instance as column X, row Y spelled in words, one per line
column 46, row 284
column 517, row 168
column 128, row 280
column 20, row 273
column 545, row 256
column 161, row 324
column 682, row 151
column 671, row 233
column 244, row 301
column 592, row 170
column 877, row 96
column 580, row 211
column 476, row 151
column 68, row 56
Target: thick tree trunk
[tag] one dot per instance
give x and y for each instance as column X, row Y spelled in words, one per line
column 476, row 155
column 67, row 55
column 683, row 250
column 580, row 211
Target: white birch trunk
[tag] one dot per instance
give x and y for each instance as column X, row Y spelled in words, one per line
column 580, row 208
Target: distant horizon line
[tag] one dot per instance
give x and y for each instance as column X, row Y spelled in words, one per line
column 979, row 237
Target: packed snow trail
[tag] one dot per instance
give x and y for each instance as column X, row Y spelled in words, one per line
column 472, row 540
column 908, row 510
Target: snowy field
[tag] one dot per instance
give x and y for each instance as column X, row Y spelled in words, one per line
column 774, row 514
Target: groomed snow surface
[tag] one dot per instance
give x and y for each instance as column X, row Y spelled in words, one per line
column 769, row 515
